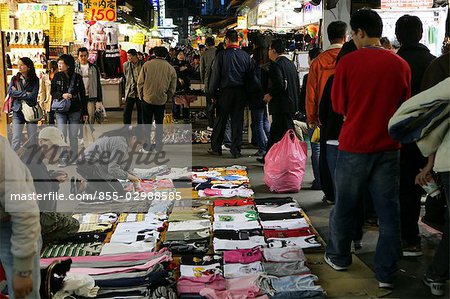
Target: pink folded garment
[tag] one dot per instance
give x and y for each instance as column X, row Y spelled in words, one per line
column 214, row 294
column 98, row 271
column 107, row 258
column 193, row 285
column 243, row 256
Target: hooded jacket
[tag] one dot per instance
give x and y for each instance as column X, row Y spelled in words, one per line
column 321, row 69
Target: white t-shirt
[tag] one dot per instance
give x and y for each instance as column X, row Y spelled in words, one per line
column 85, row 74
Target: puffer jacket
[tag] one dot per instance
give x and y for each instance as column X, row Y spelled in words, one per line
column 321, row 69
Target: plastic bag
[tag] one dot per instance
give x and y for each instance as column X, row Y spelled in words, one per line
column 285, row 164
column 88, row 134
column 315, row 138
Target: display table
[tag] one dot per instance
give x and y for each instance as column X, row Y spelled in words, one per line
column 112, row 92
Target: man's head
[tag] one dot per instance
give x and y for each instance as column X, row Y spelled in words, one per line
column 51, row 139
column 201, row 48
column 367, row 27
column 313, row 53
column 160, row 52
column 408, row 30
column 132, row 56
column 196, row 60
column 83, row 55
column 140, row 55
column 210, row 43
column 337, row 32
column 232, row 37
column 172, row 52
column 276, row 49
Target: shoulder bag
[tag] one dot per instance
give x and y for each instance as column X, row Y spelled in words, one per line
column 31, row 113
column 63, row 105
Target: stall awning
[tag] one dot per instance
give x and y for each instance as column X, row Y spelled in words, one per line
column 223, row 24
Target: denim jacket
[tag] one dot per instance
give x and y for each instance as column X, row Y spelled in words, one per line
column 28, row 92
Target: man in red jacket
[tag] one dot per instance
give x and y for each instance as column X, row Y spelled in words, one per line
column 370, row 84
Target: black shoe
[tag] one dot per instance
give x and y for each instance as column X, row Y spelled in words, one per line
column 315, row 188
column 328, row 200
column 261, row 160
column 236, row 156
column 214, row 153
column 259, row 154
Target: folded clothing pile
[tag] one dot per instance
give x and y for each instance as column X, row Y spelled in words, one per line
column 125, row 275
column 284, row 223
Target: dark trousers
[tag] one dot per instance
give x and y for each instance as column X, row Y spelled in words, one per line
column 379, row 172
column 210, row 111
column 325, row 175
column 281, row 123
column 155, row 112
column 128, row 112
column 231, row 103
column 439, row 268
column 411, row 161
column 178, row 111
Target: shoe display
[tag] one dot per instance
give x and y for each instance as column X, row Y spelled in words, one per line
column 332, row 265
column 437, row 288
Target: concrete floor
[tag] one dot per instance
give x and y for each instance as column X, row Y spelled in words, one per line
column 409, row 282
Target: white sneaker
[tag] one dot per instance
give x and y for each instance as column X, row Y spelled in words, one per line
column 225, row 148
column 385, row 285
column 209, row 129
column 332, row 265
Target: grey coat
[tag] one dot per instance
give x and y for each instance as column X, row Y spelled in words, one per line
column 206, row 62
column 95, row 86
column 127, row 70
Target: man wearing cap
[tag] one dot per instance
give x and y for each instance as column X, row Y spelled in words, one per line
column 54, row 226
column 19, row 226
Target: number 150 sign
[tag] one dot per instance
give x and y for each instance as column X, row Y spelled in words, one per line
column 100, row 10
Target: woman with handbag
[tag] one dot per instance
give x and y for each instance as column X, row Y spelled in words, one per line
column 24, row 87
column 69, row 104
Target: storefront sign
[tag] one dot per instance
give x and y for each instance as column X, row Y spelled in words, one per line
column 100, row 10
column 139, row 39
column 33, row 16
column 61, row 24
column 252, row 17
column 4, row 16
column 242, row 22
column 406, row 4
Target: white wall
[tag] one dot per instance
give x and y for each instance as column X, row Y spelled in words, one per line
column 340, row 13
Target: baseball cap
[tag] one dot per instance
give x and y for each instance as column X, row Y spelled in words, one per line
column 54, row 135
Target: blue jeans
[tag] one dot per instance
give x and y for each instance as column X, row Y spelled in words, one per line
column 73, row 120
column 332, row 154
column 6, row 258
column 18, row 121
column 261, row 128
column 380, row 174
column 315, row 154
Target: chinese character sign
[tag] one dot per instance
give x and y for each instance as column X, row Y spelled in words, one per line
column 100, row 10
column 33, row 16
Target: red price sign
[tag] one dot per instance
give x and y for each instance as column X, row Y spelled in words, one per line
column 100, row 10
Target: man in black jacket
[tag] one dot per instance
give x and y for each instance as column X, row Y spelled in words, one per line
column 230, row 75
column 283, row 93
column 408, row 30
